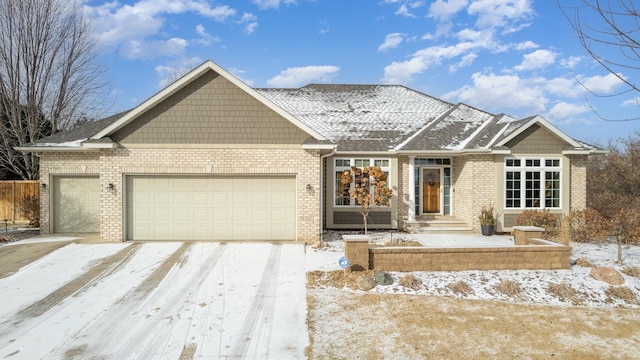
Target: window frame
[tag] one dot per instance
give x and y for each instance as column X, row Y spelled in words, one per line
column 338, row 169
column 528, row 189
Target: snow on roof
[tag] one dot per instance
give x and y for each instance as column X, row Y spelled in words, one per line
column 360, row 117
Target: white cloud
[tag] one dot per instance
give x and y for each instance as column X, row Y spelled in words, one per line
column 297, row 76
column 464, row 62
column 169, row 73
column 500, row 13
column 565, row 110
column 402, row 72
column 526, row 45
column 631, row 102
column 564, row 87
column 570, row 62
column 443, row 9
column 391, row 41
column 134, row 49
column 491, row 91
column 205, row 38
column 131, row 25
column 601, row 84
column 272, row 4
column 536, row 60
column 403, row 10
column 250, row 22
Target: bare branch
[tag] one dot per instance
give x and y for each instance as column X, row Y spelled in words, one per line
column 49, row 77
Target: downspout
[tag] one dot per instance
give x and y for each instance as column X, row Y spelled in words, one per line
column 322, row 199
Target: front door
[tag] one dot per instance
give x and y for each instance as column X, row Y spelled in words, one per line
column 431, row 190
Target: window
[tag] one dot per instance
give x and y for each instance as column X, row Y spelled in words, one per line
column 532, row 183
column 342, row 198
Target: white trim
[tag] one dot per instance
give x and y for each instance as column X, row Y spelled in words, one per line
column 187, row 79
column 50, row 148
column 372, row 160
column 542, row 170
column 411, row 215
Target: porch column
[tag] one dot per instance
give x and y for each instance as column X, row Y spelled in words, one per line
column 411, row 212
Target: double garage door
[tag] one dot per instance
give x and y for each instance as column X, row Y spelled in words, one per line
column 184, row 207
column 210, row 208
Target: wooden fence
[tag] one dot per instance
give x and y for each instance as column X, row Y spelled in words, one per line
column 12, row 192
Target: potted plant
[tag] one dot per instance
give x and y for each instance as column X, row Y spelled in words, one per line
column 487, row 220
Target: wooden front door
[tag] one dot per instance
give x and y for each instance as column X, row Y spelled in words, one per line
column 431, row 190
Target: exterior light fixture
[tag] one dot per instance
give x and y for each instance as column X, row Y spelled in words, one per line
column 110, row 187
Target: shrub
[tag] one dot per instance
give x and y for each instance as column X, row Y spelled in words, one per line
column 632, row 271
column 460, row 287
column 622, row 293
column 564, row 292
column 625, row 224
column 540, row 218
column 29, row 208
column 509, row 288
column 410, row 281
column 587, row 225
column 585, row 263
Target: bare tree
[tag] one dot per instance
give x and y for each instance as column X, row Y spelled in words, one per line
column 48, row 75
column 608, row 31
column 367, row 187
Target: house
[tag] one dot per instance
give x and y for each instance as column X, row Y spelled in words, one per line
column 210, row 158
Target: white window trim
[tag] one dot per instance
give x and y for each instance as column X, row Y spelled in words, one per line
column 523, row 169
column 352, row 161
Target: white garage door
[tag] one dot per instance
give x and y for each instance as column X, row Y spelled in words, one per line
column 76, row 204
column 211, row 208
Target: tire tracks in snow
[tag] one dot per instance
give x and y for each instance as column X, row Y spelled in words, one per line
column 122, row 341
column 262, row 307
column 103, row 269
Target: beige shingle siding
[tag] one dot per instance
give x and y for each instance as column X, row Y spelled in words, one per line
column 113, row 165
column 211, row 110
column 536, row 140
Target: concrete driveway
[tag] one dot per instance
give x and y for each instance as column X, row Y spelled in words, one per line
column 157, row 300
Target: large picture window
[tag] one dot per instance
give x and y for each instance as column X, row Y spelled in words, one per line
column 532, row 183
column 341, row 197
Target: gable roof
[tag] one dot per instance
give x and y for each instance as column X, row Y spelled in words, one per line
column 353, row 118
column 188, row 78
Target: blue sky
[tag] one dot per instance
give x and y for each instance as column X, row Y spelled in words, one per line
column 519, row 57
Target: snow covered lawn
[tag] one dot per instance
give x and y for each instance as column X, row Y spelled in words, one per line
column 157, row 301
column 465, row 315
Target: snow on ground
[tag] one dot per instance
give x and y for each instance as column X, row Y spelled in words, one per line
column 165, row 300
column 534, row 283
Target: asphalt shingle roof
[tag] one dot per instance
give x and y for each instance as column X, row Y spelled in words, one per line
column 365, row 118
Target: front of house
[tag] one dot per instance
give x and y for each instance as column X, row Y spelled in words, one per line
column 210, row 158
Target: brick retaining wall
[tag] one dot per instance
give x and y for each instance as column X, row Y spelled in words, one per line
column 538, row 255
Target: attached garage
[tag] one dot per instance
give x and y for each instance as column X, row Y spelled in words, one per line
column 76, row 204
column 210, row 208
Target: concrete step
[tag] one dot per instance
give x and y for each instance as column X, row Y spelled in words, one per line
column 437, row 225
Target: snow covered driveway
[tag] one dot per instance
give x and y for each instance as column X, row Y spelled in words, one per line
column 157, row 301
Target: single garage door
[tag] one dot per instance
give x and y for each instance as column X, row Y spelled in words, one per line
column 76, row 204
column 211, row 208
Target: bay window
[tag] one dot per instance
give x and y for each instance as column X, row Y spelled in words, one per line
column 532, row 183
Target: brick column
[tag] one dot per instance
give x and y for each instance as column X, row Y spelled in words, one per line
column 523, row 234
column 356, row 249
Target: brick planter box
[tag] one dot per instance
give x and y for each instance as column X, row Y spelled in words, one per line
column 538, row 255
